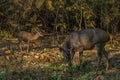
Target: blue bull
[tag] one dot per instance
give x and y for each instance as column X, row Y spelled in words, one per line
column 85, row 39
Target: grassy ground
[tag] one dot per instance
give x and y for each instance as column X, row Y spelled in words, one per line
column 48, row 64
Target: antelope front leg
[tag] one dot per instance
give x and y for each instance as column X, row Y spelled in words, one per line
column 70, row 63
column 28, row 46
column 80, row 58
column 106, row 56
column 20, row 46
column 99, row 53
column 70, row 58
column 99, row 62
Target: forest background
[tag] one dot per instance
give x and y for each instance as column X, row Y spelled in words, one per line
column 56, row 19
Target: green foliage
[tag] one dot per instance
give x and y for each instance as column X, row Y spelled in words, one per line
column 3, row 75
column 74, row 68
column 60, row 16
column 87, row 76
column 54, row 76
column 87, row 67
column 40, row 3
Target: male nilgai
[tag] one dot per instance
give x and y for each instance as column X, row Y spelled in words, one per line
column 27, row 37
column 85, row 39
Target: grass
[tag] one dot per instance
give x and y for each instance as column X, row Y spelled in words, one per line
column 53, row 71
column 51, row 66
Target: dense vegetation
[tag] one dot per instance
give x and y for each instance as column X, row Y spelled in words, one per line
column 55, row 19
column 59, row 15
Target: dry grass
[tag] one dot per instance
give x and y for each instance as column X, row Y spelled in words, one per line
column 46, row 63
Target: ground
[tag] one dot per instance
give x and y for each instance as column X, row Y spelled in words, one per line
column 47, row 63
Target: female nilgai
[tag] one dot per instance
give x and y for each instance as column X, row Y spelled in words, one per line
column 85, row 39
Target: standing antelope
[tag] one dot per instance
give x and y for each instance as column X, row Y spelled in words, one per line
column 27, row 37
column 85, row 39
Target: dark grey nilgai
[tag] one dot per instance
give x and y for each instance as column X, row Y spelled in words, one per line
column 85, row 39
column 27, row 37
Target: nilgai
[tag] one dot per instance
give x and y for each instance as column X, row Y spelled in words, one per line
column 27, row 37
column 85, row 39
